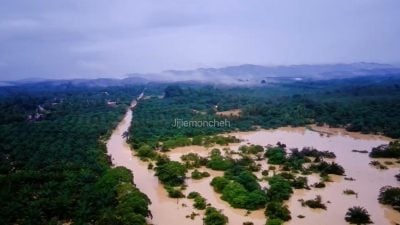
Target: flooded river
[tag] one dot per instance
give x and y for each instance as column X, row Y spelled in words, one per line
column 368, row 179
column 167, row 211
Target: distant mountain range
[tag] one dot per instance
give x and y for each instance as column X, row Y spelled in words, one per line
column 255, row 73
column 241, row 74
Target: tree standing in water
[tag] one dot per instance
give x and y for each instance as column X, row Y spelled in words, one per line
column 358, row 215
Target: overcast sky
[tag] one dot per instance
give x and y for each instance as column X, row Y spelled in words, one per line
column 98, row 38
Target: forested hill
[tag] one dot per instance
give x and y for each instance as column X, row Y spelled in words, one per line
column 53, row 163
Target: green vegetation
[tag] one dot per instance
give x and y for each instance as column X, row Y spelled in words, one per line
column 175, row 142
column 275, row 210
column 218, row 161
column 193, row 195
column 171, row 173
column 251, row 149
column 193, row 160
column 392, row 150
column 53, row 166
column 390, row 196
column 300, row 183
column 146, row 151
column 197, row 175
column 274, row 222
column 378, row 165
column 315, row 203
column 369, row 107
column 200, row 202
column 239, row 197
column 239, row 187
column 328, row 168
column 53, row 162
column 214, row 217
column 280, row 189
column 173, row 91
column 276, row 155
column 174, row 192
column 312, row 152
column 243, row 176
column 219, row 183
column 358, row 215
column 131, row 206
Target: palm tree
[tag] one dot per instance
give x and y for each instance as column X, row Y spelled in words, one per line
column 358, row 215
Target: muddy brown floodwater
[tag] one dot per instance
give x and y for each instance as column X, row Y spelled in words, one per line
column 167, row 211
column 368, row 179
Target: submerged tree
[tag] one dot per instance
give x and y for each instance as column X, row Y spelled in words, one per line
column 358, row 215
column 390, row 196
column 214, row 217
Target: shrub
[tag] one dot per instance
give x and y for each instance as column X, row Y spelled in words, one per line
column 174, row 193
column 279, row 188
column 276, row 155
column 274, row 222
column 219, row 183
column 193, row 194
column 197, row 175
column 244, row 177
column 252, row 149
column 315, row 203
column 200, row 202
column 328, row 168
column 218, row 162
column 214, row 217
column 275, row 210
column 312, row 152
column 392, row 150
column 390, row 196
column 238, row 197
column 235, row 194
column 300, row 182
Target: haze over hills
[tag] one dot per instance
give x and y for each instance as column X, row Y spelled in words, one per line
column 257, row 72
column 246, row 74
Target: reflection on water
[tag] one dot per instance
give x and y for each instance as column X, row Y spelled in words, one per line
column 168, row 211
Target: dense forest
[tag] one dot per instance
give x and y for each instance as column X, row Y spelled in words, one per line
column 357, row 104
column 53, row 163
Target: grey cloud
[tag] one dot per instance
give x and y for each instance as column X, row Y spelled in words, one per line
column 95, row 38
